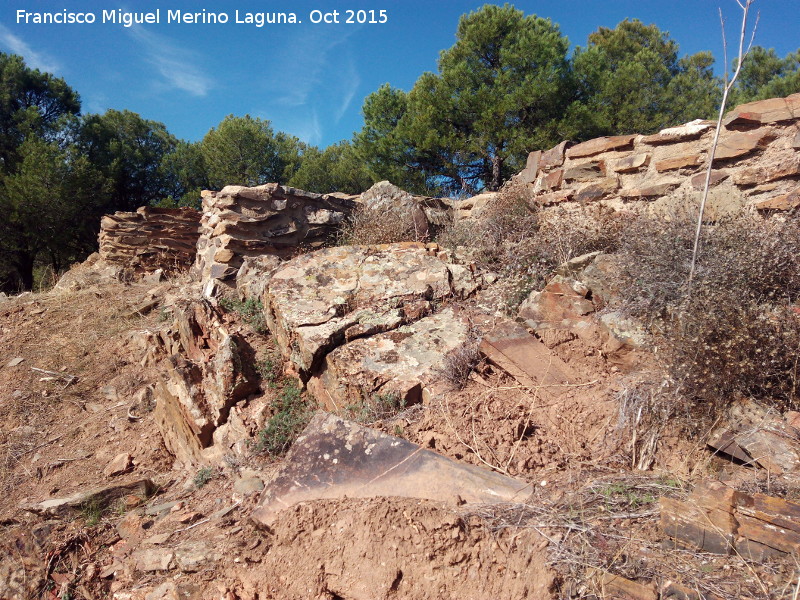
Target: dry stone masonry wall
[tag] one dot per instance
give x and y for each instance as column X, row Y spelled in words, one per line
column 757, row 162
column 240, row 222
column 150, row 239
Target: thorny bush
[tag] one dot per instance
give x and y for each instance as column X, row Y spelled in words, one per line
column 735, row 330
column 398, row 224
column 525, row 244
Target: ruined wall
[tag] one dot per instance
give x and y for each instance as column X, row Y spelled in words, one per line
column 270, row 219
column 757, row 162
column 150, row 239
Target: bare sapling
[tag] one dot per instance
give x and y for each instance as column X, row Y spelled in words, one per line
column 728, row 85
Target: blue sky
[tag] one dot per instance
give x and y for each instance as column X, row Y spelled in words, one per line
column 310, row 79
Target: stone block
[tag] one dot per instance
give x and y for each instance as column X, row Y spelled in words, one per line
column 603, row 144
column 631, row 164
column 680, row 162
column 740, row 143
column 763, row 112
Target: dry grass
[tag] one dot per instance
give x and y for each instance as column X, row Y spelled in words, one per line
column 525, row 244
column 610, row 524
column 647, row 407
column 82, row 333
column 459, row 363
column 399, row 224
column 735, row 331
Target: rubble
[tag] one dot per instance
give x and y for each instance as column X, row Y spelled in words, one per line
column 755, row 434
column 718, row 519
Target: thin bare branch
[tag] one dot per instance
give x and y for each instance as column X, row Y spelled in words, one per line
column 724, row 48
column 753, row 35
column 745, row 9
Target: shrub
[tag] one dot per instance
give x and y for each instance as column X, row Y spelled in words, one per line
column 269, row 368
column 92, row 512
column 203, row 476
column 399, row 223
column 291, row 415
column 459, row 363
column 734, row 330
column 377, row 407
column 525, row 244
column 251, row 310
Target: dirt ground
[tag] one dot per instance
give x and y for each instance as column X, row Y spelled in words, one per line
column 80, row 397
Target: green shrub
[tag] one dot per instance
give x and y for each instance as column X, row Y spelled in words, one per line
column 203, row 476
column 92, row 512
column 251, row 310
column 269, row 368
column 291, row 415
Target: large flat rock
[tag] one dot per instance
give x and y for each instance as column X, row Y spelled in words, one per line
column 100, row 498
column 319, row 301
column 741, row 143
column 400, row 362
column 603, row 144
column 527, row 359
column 335, row 458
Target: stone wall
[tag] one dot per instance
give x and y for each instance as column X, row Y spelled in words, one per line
column 757, row 162
column 270, row 219
column 150, row 239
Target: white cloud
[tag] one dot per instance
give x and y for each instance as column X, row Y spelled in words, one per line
column 37, row 60
column 95, row 103
column 303, row 123
column 303, row 65
column 311, row 131
column 176, row 66
column 351, row 81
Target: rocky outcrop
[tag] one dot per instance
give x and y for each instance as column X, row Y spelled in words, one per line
column 238, row 222
column 204, row 372
column 580, row 302
column 361, row 320
column 92, row 271
column 424, row 211
column 757, row 157
column 150, row 239
column 254, row 275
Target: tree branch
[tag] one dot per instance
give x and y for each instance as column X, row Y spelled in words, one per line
column 742, row 54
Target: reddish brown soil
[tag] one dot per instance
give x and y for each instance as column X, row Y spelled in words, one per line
column 57, row 434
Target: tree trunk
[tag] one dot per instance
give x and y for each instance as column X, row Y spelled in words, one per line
column 497, row 167
column 24, row 264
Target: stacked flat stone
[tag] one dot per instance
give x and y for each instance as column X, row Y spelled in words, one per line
column 150, row 239
column 757, row 160
column 270, row 219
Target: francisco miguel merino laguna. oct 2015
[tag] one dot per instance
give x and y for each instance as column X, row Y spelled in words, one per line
column 128, row 18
